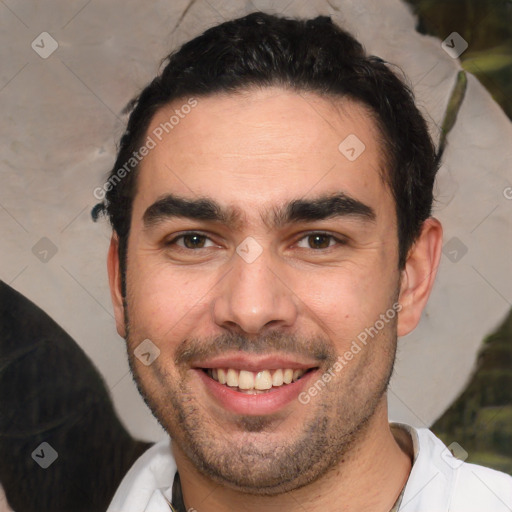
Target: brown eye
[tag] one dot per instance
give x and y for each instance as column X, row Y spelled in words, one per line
column 191, row 241
column 321, row 240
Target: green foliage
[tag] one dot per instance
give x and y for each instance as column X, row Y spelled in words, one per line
column 480, row 420
column 487, row 27
column 492, row 460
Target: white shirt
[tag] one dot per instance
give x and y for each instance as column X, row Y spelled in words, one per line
column 438, row 482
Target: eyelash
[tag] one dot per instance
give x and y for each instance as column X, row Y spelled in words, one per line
column 311, row 233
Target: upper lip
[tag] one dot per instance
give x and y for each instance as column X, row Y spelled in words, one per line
column 254, row 363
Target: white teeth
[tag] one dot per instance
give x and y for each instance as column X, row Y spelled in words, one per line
column 221, row 376
column 288, row 376
column 277, row 378
column 263, row 380
column 232, row 378
column 246, row 380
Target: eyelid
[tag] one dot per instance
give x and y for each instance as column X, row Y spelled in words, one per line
column 340, row 239
column 172, row 241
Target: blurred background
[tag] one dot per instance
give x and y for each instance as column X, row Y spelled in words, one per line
column 481, row 417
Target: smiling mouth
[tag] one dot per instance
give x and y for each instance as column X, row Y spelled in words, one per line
column 254, row 383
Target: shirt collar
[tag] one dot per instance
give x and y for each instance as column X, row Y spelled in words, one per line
column 148, row 484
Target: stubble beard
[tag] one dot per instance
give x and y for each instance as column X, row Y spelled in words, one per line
column 257, row 463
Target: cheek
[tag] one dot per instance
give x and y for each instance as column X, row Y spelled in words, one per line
column 162, row 302
column 346, row 301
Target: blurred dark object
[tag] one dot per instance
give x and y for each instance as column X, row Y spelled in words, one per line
column 50, row 392
column 486, row 25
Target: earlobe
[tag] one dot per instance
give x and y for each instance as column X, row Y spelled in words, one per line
column 114, row 278
column 419, row 274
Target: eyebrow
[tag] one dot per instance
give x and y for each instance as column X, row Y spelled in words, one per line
column 297, row 210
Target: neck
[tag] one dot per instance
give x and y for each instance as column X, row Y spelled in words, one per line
column 370, row 477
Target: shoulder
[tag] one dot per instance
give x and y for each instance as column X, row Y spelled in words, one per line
column 442, row 481
column 152, row 472
column 478, row 488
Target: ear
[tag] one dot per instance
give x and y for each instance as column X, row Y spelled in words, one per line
column 114, row 279
column 419, row 274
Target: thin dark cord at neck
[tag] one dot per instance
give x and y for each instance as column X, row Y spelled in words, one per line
column 177, row 504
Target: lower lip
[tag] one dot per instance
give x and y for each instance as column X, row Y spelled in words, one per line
column 259, row 404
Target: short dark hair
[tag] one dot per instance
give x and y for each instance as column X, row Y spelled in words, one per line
column 310, row 55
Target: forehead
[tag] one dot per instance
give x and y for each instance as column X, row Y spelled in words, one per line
column 262, row 147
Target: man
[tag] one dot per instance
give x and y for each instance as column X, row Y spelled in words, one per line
column 272, row 237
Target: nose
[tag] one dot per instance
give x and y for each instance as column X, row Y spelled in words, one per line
column 255, row 295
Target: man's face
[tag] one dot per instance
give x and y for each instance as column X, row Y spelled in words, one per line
column 249, row 293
